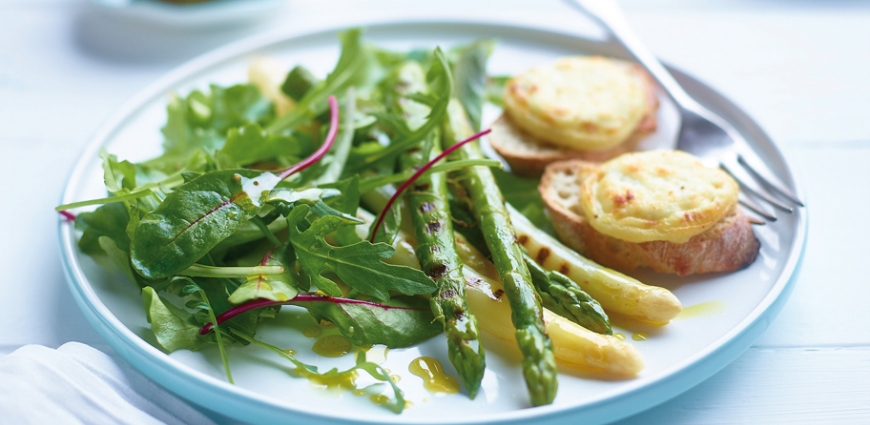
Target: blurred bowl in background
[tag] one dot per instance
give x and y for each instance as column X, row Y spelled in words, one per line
column 189, row 14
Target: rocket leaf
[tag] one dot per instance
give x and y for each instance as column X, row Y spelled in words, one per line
column 360, row 265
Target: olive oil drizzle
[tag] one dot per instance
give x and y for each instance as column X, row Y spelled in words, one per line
column 342, row 380
column 705, row 309
column 434, row 378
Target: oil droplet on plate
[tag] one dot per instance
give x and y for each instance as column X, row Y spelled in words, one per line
column 359, row 392
column 312, row 332
column 379, row 399
column 705, row 309
column 619, row 335
column 395, row 378
column 290, row 351
column 434, row 378
column 640, row 336
column 332, row 346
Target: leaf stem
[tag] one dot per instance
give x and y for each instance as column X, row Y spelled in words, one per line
column 199, row 270
column 217, row 336
column 417, row 175
column 372, row 183
column 266, row 231
column 301, row 298
column 324, row 148
column 67, row 215
column 102, row 201
column 222, row 349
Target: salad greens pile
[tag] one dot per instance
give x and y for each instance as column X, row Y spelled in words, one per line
column 246, row 211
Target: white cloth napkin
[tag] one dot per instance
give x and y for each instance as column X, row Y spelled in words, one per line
column 78, row 384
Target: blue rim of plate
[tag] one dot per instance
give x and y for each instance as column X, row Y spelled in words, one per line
column 241, row 404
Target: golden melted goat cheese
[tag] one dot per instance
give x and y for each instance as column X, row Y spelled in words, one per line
column 581, row 103
column 656, row 196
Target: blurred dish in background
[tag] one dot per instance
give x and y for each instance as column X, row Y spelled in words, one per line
column 189, row 14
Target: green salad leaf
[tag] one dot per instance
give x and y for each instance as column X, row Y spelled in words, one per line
column 174, row 328
column 271, row 287
column 469, row 72
column 407, row 321
column 195, row 218
column 360, row 265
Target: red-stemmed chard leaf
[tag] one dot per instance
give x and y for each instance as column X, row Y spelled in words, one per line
column 324, row 148
column 275, row 287
column 195, row 217
column 67, row 215
column 401, row 322
column 417, row 175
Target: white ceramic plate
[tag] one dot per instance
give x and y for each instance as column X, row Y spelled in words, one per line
column 678, row 356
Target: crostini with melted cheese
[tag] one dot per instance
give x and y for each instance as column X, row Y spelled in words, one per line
column 585, row 107
column 659, row 209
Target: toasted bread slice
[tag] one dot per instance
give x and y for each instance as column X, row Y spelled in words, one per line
column 528, row 155
column 729, row 245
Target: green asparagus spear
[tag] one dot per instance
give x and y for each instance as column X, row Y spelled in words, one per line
column 563, row 297
column 539, row 363
column 436, row 245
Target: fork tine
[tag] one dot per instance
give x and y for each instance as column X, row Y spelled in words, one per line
column 773, row 184
column 752, row 206
column 752, row 188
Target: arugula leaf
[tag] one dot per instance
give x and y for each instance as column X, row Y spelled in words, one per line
column 400, row 322
column 469, row 73
column 333, row 375
column 494, row 89
column 349, row 70
column 389, row 228
column 441, row 86
column 298, row 82
column 523, row 194
column 276, row 288
column 200, row 122
column 109, row 220
column 360, row 265
column 347, row 203
column 174, row 328
column 121, row 259
column 287, row 199
column 341, row 148
column 250, row 143
column 238, row 105
column 196, row 217
column 180, row 138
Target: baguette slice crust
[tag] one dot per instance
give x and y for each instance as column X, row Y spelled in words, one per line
column 727, row 246
column 529, row 155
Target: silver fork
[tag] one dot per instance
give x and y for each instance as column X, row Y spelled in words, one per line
column 702, row 132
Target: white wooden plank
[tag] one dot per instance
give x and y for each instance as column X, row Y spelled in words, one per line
column 776, row 386
column 797, row 70
column 829, row 303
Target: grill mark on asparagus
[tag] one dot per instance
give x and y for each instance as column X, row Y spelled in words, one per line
column 543, row 253
column 427, row 207
column 437, row 271
column 433, row 226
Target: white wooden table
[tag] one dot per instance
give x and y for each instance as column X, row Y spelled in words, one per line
column 801, row 68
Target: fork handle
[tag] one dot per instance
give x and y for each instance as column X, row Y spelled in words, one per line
column 608, row 14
